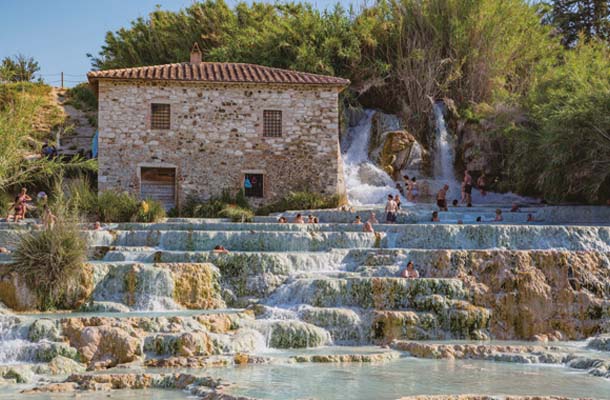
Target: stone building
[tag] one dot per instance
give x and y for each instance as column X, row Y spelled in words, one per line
column 171, row 131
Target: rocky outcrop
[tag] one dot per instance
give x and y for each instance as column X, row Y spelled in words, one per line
column 347, row 358
column 19, row 296
column 196, row 286
column 102, row 344
column 529, row 292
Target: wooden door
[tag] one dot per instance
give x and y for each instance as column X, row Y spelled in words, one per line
column 159, row 184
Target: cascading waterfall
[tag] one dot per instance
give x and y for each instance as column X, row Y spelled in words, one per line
column 443, row 167
column 366, row 183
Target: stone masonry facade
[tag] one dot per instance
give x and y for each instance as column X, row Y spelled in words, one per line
column 216, row 137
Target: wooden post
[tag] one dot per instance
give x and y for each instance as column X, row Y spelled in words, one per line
column 62, row 80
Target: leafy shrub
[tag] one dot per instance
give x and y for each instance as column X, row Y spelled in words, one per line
column 302, row 201
column 81, row 197
column 236, row 213
column 116, row 207
column 5, row 203
column 51, row 262
column 150, row 211
column 216, row 207
column 82, row 97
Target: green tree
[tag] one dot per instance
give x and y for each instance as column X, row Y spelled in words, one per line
column 19, row 68
column 572, row 17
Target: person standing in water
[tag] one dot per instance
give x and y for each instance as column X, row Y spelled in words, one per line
column 468, row 187
column 441, row 198
column 468, row 184
column 482, row 184
column 414, row 189
column 390, row 209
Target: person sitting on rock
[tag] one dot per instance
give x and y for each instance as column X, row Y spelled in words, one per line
column 441, row 198
column 499, row 217
column 299, row 219
column 357, row 221
column 410, row 272
column 218, row 249
column 435, row 217
column 372, row 218
column 368, row 227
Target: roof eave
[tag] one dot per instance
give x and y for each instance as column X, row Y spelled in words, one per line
column 94, row 82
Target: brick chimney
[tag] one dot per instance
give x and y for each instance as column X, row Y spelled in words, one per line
column 195, row 54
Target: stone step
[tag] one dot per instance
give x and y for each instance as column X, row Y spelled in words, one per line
column 429, row 236
column 367, row 293
column 238, row 240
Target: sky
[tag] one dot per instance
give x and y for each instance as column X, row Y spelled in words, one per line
column 60, row 33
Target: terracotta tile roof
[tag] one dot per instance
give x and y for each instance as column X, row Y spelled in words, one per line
column 216, row 72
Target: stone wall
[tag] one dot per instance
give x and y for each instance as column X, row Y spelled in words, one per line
column 216, row 136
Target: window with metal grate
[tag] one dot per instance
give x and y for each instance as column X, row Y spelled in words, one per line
column 272, row 123
column 253, row 185
column 160, row 116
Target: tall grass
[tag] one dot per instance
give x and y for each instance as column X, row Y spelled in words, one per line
column 51, row 261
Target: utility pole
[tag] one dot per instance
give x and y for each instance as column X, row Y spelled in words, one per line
column 62, row 80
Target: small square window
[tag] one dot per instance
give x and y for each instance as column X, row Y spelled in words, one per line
column 160, row 115
column 253, row 185
column 272, row 123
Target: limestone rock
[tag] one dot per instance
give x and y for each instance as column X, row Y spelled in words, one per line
column 600, row 343
column 100, row 344
column 294, row 334
column 44, row 328
column 104, row 306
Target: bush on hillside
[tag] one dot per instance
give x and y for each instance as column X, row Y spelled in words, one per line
column 116, row 207
column 51, row 261
column 82, row 97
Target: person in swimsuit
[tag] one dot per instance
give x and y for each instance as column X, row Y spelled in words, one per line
column 358, row 220
column 468, row 187
column 368, row 227
column 482, row 184
column 390, row 209
column 435, row 217
column 441, row 198
column 299, row 219
column 372, row 218
column 410, row 272
column 24, row 198
column 499, row 217
column 408, row 188
column 17, row 208
column 414, row 189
